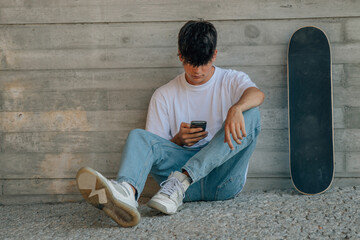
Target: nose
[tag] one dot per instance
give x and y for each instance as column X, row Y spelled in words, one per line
column 196, row 69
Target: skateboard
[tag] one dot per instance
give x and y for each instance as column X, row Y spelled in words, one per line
column 310, row 105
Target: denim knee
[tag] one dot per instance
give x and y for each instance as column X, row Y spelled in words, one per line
column 136, row 131
column 252, row 113
column 252, row 120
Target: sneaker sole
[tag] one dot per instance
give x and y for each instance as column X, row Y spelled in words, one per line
column 157, row 206
column 96, row 191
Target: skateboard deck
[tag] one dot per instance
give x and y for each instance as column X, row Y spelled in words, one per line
column 310, row 105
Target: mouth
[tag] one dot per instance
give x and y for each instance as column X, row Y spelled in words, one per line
column 196, row 76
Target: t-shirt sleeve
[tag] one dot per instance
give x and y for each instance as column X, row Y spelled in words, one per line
column 240, row 82
column 157, row 121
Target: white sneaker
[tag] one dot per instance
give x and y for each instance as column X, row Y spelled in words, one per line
column 170, row 197
column 117, row 200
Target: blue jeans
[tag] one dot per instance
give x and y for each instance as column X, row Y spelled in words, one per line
column 217, row 172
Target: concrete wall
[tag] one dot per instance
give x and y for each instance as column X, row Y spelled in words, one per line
column 77, row 76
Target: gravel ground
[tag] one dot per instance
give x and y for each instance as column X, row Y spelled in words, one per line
column 276, row 214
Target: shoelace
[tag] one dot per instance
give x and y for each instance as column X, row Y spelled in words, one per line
column 171, row 185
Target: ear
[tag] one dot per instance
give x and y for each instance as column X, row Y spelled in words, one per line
column 214, row 56
column 180, row 57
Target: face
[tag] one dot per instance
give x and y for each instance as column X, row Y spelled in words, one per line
column 201, row 74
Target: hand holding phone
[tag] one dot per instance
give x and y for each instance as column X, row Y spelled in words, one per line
column 198, row 124
column 189, row 134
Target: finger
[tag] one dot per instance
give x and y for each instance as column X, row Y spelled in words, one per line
column 243, row 130
column 197, row 139
column 192, row 141
column 203, row 135
column 238, row 132
column 185, row 125
column 199, row 134
column 227, row 138
column 234, row 135
column 195, row 130
column 193, row 136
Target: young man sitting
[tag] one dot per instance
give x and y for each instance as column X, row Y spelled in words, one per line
column 191, row 164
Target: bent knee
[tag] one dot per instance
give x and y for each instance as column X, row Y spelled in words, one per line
column 136, row 132
column 254, row 112
column 252, row 116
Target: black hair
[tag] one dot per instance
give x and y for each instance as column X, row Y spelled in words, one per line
column 197, row 42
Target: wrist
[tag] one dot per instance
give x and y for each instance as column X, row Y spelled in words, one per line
column 176, row 140
column 238, row 107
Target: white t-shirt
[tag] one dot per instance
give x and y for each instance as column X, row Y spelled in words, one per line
column 178, row 101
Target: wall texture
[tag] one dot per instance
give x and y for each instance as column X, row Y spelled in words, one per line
column 77, row 76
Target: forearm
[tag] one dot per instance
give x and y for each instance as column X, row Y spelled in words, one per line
column 252, row 97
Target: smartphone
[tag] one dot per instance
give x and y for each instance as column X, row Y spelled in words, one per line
column 198, row 124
